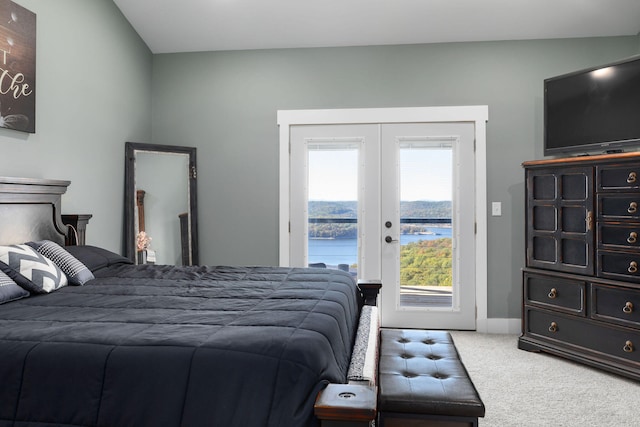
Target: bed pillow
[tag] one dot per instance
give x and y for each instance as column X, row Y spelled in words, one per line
column 96, row 258
column 9, row 290
column 77, row 273
column 31, row 270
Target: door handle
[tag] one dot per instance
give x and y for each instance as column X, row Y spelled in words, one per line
column 390, row 239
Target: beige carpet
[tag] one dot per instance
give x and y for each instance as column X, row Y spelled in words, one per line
column 520, row 388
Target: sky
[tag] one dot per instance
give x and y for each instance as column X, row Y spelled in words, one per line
column 425, row 174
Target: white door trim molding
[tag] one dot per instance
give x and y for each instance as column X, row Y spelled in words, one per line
column 478, row 114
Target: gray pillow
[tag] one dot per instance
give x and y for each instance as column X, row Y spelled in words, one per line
column 77, row 273
column 9, row 290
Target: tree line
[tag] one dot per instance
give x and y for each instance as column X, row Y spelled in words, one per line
column 349, row 209
column 408, row 209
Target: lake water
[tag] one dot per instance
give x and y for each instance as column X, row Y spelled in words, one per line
column 345, row 251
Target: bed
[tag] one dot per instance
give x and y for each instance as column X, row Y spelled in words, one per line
column 144, row 345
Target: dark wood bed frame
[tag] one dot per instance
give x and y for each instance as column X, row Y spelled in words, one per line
column 32, row 207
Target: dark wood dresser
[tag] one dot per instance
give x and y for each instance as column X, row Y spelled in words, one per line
column 581, row 284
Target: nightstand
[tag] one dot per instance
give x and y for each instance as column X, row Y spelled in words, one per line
column 78, row 225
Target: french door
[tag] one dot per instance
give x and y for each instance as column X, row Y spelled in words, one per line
column 427, row 208
column 393, row 202
column 396, row 195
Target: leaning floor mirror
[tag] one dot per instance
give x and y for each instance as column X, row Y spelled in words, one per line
column 160, row 221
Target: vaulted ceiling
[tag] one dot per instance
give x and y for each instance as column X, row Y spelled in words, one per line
column 211, row 25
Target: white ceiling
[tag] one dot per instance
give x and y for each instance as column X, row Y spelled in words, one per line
column 210, row 25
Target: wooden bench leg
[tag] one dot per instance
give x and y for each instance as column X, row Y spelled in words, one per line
column 421, row 420
column 333, row 423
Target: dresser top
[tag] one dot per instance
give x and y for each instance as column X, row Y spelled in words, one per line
column 634, row 155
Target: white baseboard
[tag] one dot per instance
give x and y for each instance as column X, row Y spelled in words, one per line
column 500, row 326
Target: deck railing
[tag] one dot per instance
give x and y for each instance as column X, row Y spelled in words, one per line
column 402, row 220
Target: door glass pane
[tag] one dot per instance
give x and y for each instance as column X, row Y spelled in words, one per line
column 426, row 185
column 333, row 206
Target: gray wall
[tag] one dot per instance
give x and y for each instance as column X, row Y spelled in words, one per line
column 93, row 94
column 225, row 103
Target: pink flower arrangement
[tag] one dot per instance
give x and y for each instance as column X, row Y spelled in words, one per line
column 143, row 241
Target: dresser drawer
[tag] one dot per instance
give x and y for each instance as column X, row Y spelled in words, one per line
column 601, row 339
column 619, row 206
column 623, row 236
column 618, row 177
column 619, row 265
column 555, row 293
column 615, row 304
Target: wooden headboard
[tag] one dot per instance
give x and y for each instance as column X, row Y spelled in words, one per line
column 30, row 210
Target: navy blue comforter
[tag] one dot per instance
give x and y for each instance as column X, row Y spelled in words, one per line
column 171, row 346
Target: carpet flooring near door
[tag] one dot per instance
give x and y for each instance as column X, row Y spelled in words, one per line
column 521, row 388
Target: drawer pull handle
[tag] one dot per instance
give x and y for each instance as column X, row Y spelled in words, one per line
column 589, row 220
column 633, row 267
column 553, row 293
column 632, row 177
column 628, row 307
column 633, row 237
column 628, row 347
column 553, row 327
column 633, row 207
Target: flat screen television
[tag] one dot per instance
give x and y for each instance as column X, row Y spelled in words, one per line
column 591, row 110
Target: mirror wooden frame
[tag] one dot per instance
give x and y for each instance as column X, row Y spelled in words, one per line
column 131, row 148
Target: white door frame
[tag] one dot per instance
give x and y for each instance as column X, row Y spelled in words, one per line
column 477, row 114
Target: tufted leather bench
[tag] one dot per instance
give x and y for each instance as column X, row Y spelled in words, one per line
column 422, row 381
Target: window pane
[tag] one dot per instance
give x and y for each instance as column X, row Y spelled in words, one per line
column 333, row 206
column 426, row 224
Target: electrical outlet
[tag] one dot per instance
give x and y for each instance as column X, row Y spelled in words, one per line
column 496, row 208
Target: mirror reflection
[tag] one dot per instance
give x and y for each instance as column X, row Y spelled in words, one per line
column 160, row 217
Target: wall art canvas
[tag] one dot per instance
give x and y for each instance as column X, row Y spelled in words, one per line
column 17, row 67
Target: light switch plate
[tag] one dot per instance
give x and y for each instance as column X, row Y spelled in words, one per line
column 496, row 208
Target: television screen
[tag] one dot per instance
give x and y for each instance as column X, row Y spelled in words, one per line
column 597, row 109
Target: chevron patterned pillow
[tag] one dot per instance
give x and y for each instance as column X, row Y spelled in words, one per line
column 9, row 291
column 77, row 273
column 31, row 270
